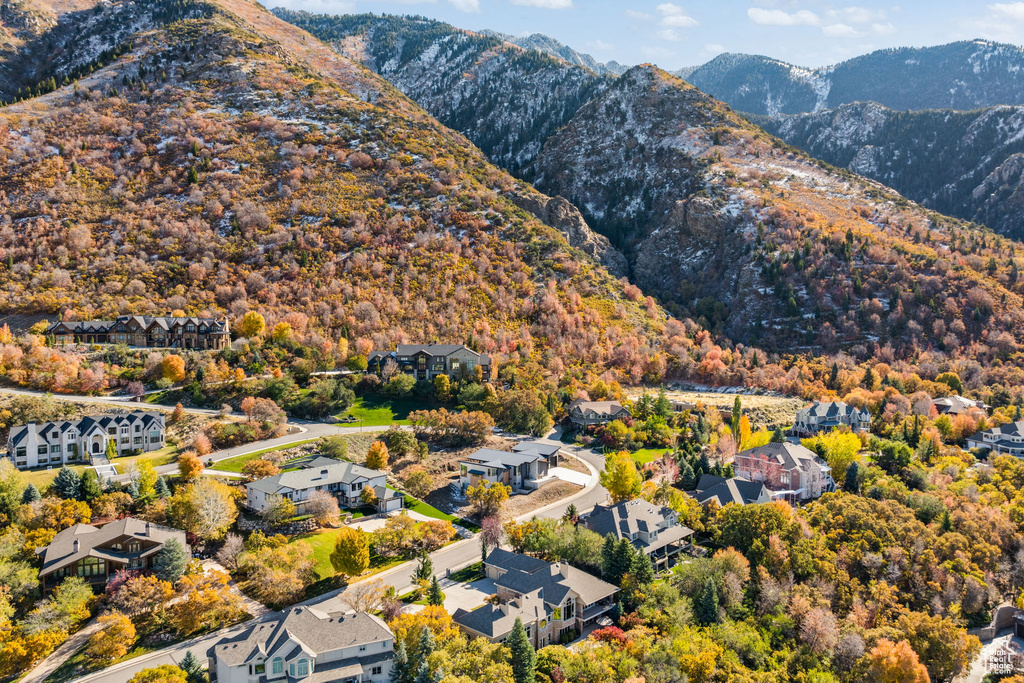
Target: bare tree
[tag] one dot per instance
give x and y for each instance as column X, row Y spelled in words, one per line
column 365, row 596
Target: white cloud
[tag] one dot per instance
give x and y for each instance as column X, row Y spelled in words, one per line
column 839, row 30
column 642, row 16
column 668, row 34
column 470, row 6
column 885, row 29
column 1010, row 10
column 544, row 4
column 674, row 16
column 776, row 17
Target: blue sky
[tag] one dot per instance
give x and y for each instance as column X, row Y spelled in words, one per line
column 689, row 32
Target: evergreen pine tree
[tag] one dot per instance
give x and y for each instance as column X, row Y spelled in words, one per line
column 737, row 409
column 170, row 562
column 869, row 379
column 162, row 489
column 524, row 657
column 947, row 521
column 400, row 664
column 192, row 668
column 91, row 489
column 642, row 569
column 833, row 377
column 434, row 595
column 31, row 494
column 778, row 436
column 687, row 479
column 706, row 609
column 608, row 556
column 852, row 484
column 423, row 673
column 426, row 645
column 425, row 568
column 67, row 484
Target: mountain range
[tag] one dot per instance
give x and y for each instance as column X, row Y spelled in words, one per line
column 221, row 159
column 963, row 75
column 717, row 219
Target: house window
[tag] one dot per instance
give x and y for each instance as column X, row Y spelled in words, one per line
column 138, row 440
column 557, row 614
column 55, row 448
column 20, row 452
column 92, row 566
column 303, row 667
column 376, row 671
column 43, row 450
column 260, row 668
column 55, row 435
column 278, row 666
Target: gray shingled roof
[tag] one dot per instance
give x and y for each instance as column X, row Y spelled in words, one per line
column 307, row 628
column 145, row 418
column 505, row 559
column 215, row 325
column 789, row 455
column 626, row 518
column 832, row 409
column 341, row 472
column 550, row 578
column 496, row 621
column 735, row 490
column 598, row 407
column 61, row 550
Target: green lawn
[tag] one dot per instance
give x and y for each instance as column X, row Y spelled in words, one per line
column 236, row 463
column 431, row 511
column 646, row 455
column 380, row 411
column 322, row 543
column 473, row 572
column 163, row 456
column 43, row 477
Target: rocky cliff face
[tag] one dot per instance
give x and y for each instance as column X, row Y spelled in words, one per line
column 567, row 219
column 959, row 163
column 962, row 75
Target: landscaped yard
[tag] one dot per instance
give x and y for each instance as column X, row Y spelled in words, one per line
column 378, row 411
column 163, row 456
column 322, row 543
column 236, row 463
column 43, row 477
column 646, row 455
column 431, row 511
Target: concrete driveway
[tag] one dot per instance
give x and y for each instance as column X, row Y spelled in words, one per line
column 468, row 596
column 571, row 476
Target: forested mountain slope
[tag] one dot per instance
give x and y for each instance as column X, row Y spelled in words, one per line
column 722, row 221
column 504, row 98
column 963, row 163
column 543, row 43
column 961, row 75
column 229, row 161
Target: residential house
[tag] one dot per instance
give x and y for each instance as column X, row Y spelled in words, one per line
column 790, row 471
column 827, row 415
column 957, row 405
column 97, row 553
column 735, row 490
column 427, row 361
column 1006, row 439
column 588, row 413
column 307, row 644
column 345, row 480
column 525, row 468
column 60, row 442
column 554, row 600
column 189, row 332
column 654, row 529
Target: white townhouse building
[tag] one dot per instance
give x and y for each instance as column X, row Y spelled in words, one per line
column 78, row 441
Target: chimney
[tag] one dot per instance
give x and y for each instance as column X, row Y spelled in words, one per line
column 323, row 473
column 78, row 544
column 147, row 528
column 563, row 569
